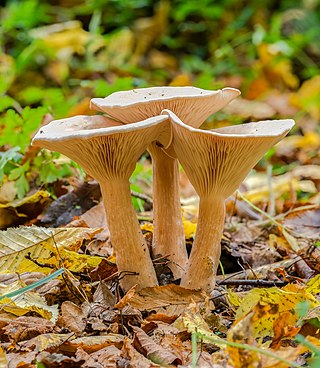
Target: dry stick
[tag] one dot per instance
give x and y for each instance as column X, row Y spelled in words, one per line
column 142, row 196
column 256, row 283
column 285, row 263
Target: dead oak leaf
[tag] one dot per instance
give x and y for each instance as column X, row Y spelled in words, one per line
column 25, row 328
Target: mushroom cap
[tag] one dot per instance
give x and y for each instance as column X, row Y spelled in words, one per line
column 217, row 161
column 105, row 148
column 193, row 105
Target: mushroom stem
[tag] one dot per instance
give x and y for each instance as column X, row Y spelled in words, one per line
column 206, row 249
column 132, row 253
column 168, row 236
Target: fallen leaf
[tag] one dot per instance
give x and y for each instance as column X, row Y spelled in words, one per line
column 54, row 360
column 91, row 344
column 282, row 330
column 72, row 317
column 277, row 301
column 29, row 302
column 155, row 352
column 136, row 359
column 26, row 328
column 46, row 341
column 19, row 244
column 162, row 296
column 22, row 210
column 241, row 332
column 305, row 223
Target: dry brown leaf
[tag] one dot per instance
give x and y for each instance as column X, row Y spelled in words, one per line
column 54, row 360
column 134, row 357
column 91, row 344
column 72, row 317
column 155, row 352
column 21, row 359
column 24, row 328
column 106, row 357
column 126, row 299
column 47, row 341
column 164, row 296
column 305, row 224
column 103, row 296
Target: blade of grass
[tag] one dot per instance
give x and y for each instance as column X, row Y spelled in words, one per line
column 248, row 347
column 34, row 285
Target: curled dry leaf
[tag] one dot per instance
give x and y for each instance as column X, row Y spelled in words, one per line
column 155, row 352
column 135, row 359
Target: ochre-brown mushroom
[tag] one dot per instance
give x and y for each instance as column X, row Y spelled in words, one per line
column 216, row 162
column 192, row 105
column 108, row 151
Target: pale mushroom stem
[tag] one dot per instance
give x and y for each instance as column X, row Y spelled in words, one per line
column 206, row 249
column 168, row 236
column 124, row 227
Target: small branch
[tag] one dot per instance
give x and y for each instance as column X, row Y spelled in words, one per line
column 256, row 283
column 144, row 197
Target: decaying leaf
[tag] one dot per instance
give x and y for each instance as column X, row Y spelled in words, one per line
column 19, row 211
column 25, row 328
column 72, row 317
column 241, row 332
column 304, row 223
column 29, row 302
column 19, row 245
column 164, row 296
column 155, row 352
column 274, row 302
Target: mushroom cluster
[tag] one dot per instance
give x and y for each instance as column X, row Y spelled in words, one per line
column 166, row 122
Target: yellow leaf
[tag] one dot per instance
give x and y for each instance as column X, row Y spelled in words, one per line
column 181, row 80
column 147, row 226
column 72, row 261
column 37, row 243
column 29, row 302
column 313, row 285
column 3, row 359
column 279, row 301
column 189, row 229
column 307, row 97
column 241, row 332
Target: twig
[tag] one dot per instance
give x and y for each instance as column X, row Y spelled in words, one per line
column 256, row 283
column 142, row 196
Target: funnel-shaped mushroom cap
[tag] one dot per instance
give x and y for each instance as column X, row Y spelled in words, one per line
column 217, row 161
column 192, row 105
column 103, row 147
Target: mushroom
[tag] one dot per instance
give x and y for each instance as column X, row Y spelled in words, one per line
column 108, row 151
column 216, row 162
column 192, row 105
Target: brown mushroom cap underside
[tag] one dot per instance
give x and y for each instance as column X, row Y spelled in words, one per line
column 106, row 152
column 192, row 105
column 216, row 162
